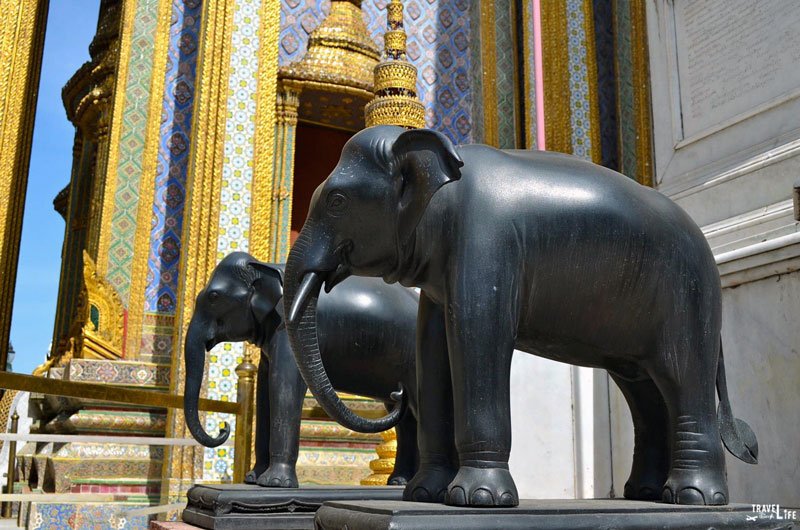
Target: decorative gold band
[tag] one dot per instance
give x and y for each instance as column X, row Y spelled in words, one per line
column 395, row 75
column 395, row 110
column 395, row 41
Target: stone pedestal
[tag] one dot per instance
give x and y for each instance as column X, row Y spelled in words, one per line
column 242, row 506
column 542, row 514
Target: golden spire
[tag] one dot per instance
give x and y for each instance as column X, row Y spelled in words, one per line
column 340, row 51
column 395, row 101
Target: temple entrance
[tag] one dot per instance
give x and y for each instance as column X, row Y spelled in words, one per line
column 317, row 153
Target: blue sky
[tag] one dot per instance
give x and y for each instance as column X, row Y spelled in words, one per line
column 71, row 25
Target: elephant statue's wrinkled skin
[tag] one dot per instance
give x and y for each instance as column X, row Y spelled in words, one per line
column 537, row 251
column 367, row 330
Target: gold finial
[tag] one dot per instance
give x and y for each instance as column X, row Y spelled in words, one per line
column 395, row 101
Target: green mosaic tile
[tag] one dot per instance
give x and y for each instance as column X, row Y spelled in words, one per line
column 131, row 147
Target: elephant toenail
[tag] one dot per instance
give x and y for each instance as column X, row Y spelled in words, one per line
column 420, row 495
column 691, row 496
column 719, row 498
column 507, row 499
column 456, row 496
column 481, row 497
column 666, row 495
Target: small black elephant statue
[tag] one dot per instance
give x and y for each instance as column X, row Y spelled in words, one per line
column 367, row 331
column 538, row 251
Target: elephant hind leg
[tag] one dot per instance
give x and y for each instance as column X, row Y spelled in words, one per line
column 407, row 459
column 651, row 438
column 686, row 378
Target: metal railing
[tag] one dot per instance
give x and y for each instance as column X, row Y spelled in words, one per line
column 243, row 409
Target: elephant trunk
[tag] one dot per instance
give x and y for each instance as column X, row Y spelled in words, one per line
column 300, row 301
column 194, row 358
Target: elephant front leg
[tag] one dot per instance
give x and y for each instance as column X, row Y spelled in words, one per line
column 286, row 391
column 481, row 324
column 437, row 456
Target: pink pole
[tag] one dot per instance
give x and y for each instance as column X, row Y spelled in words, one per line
column 538, row 74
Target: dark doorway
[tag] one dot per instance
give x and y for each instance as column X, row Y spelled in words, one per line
column 317, row 151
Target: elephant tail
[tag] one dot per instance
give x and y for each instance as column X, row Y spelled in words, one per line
column 738, row 437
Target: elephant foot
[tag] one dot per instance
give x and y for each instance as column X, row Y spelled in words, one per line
column 642, row 492
column 279, row 475
column 698, row 487
column 475, row 486
column 645, row 487
column 429, row 484
column 252, row 476
column 398, row 480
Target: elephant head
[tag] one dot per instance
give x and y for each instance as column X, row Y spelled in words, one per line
column 361, row 221
column 238, row 304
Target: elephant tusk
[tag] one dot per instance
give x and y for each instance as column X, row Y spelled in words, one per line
column 309, row 286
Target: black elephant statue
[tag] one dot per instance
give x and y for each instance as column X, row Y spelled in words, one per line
column 532, row 250
column 367, row 333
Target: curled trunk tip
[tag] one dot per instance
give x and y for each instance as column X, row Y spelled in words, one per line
column 300, row 298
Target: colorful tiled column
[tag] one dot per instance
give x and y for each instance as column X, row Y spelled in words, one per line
column 228, row 191
column 571, row 109
column 285, row 130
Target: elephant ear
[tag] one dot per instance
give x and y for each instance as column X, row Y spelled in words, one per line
column 267, row 289
column 424, row 161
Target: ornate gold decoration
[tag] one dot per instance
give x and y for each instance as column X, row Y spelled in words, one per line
column 340, row 51
column 264, row 153
column 286, row 114
column 87, row 98
column 641, row 94
column 557, row 112
column 491, row 134
column 338, row 66
column 395, row 101
column 21, row 43
column 383, row 466
column 141, row 239
column 98, row 326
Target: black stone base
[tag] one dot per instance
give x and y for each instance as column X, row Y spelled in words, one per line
column 540, row 514
column 244, row 506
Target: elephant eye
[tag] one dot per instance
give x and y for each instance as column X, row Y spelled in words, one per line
column 337, row 203
column 213, row 296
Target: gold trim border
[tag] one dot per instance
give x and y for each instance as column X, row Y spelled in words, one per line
column 141, row 240
column 261, row 229
column 641, row 94
column 557, row 125
column 21, row 46
column 489, row 78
